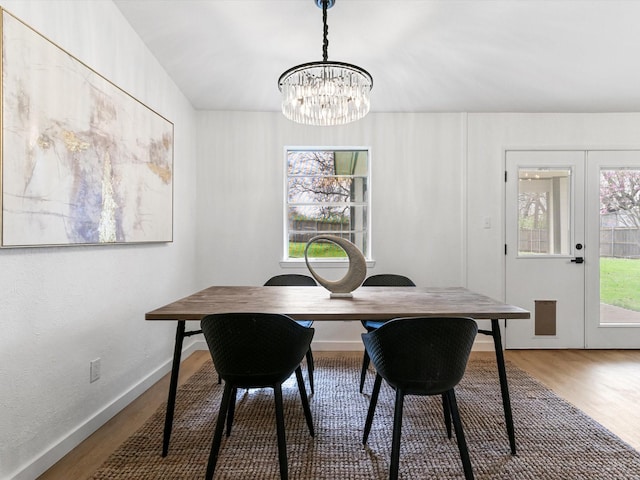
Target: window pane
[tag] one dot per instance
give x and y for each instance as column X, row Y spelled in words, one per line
column 351, row 162
column 619, row 245
column 310, row 190
column 298, row 242
column 544, row 211
column 327, row 162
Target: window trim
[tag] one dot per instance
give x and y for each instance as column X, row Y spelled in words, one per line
column 333, row 262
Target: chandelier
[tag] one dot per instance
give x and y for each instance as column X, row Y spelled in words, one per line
column 325, row 93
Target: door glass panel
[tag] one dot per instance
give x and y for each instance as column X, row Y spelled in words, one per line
column 620, row 245
column 544, row 211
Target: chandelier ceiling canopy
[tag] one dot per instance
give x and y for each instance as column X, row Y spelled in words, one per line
column 324, row 92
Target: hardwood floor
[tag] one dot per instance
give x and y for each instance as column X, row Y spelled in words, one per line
column 605, row 384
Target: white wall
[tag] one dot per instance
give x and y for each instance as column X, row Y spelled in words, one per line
column 489, row 134
column 436, row 179
column 62, row 307
column 418, row 163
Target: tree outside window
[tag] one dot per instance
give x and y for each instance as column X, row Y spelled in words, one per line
column 620, row 196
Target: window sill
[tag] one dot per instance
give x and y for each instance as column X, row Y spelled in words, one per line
column 300, row 263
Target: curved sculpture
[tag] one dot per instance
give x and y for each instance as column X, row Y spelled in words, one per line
column 355, row 275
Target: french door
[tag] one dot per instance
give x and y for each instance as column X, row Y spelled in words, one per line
column 544, row 244
column 572, row 237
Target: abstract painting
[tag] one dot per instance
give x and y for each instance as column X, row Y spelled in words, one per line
column 83, row 162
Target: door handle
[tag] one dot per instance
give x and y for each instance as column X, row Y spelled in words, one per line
column 577, row 260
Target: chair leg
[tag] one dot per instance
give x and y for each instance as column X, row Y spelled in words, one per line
column 447, row 413
column 217, row 436
column 363, row 371
column 232, row 410
column 282, row 443
column 310, row 368
column 372, row 408
column 462, row 444
column 305, row 400
column 397, row 430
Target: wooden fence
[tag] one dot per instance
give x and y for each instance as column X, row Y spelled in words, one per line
column 620, row 242
column 304, row 230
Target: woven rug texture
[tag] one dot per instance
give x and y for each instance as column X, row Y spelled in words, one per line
column 555, row 440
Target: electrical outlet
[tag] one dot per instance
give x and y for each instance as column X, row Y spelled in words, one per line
column 94, row 370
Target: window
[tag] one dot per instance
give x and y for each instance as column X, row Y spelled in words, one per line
column 327, row 192
column 544, row 211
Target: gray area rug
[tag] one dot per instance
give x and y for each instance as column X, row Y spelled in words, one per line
column 554, row 439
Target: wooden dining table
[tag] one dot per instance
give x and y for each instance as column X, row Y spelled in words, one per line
column 314, row 303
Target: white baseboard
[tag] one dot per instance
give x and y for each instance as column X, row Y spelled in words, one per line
column 483, row 344
column 480, row 345
column 41, row 463
column 321, row 346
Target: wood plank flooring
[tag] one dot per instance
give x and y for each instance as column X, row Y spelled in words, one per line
column 605, row 384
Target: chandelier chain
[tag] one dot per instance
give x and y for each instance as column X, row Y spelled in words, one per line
column 325, row 42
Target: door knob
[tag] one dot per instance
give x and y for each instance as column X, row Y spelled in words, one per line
column 577, row 260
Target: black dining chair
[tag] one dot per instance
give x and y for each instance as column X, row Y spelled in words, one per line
column 420, row 356
column 256, row 350
column 297, row 280
column 392, row 280
column 379, row 280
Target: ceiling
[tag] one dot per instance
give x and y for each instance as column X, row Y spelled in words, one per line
column 424, row 55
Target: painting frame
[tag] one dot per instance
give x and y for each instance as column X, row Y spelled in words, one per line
column 82, row 162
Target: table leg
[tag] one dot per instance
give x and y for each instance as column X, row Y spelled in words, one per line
column 173, row 387
column 504, row 387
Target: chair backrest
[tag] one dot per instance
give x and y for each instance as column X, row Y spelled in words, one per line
column 255, row 349
column 388, row 280
column 423, row 354
column 291, row 280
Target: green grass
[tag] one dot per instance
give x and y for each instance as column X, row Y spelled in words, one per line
column 620, row 282
column 316, row 250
